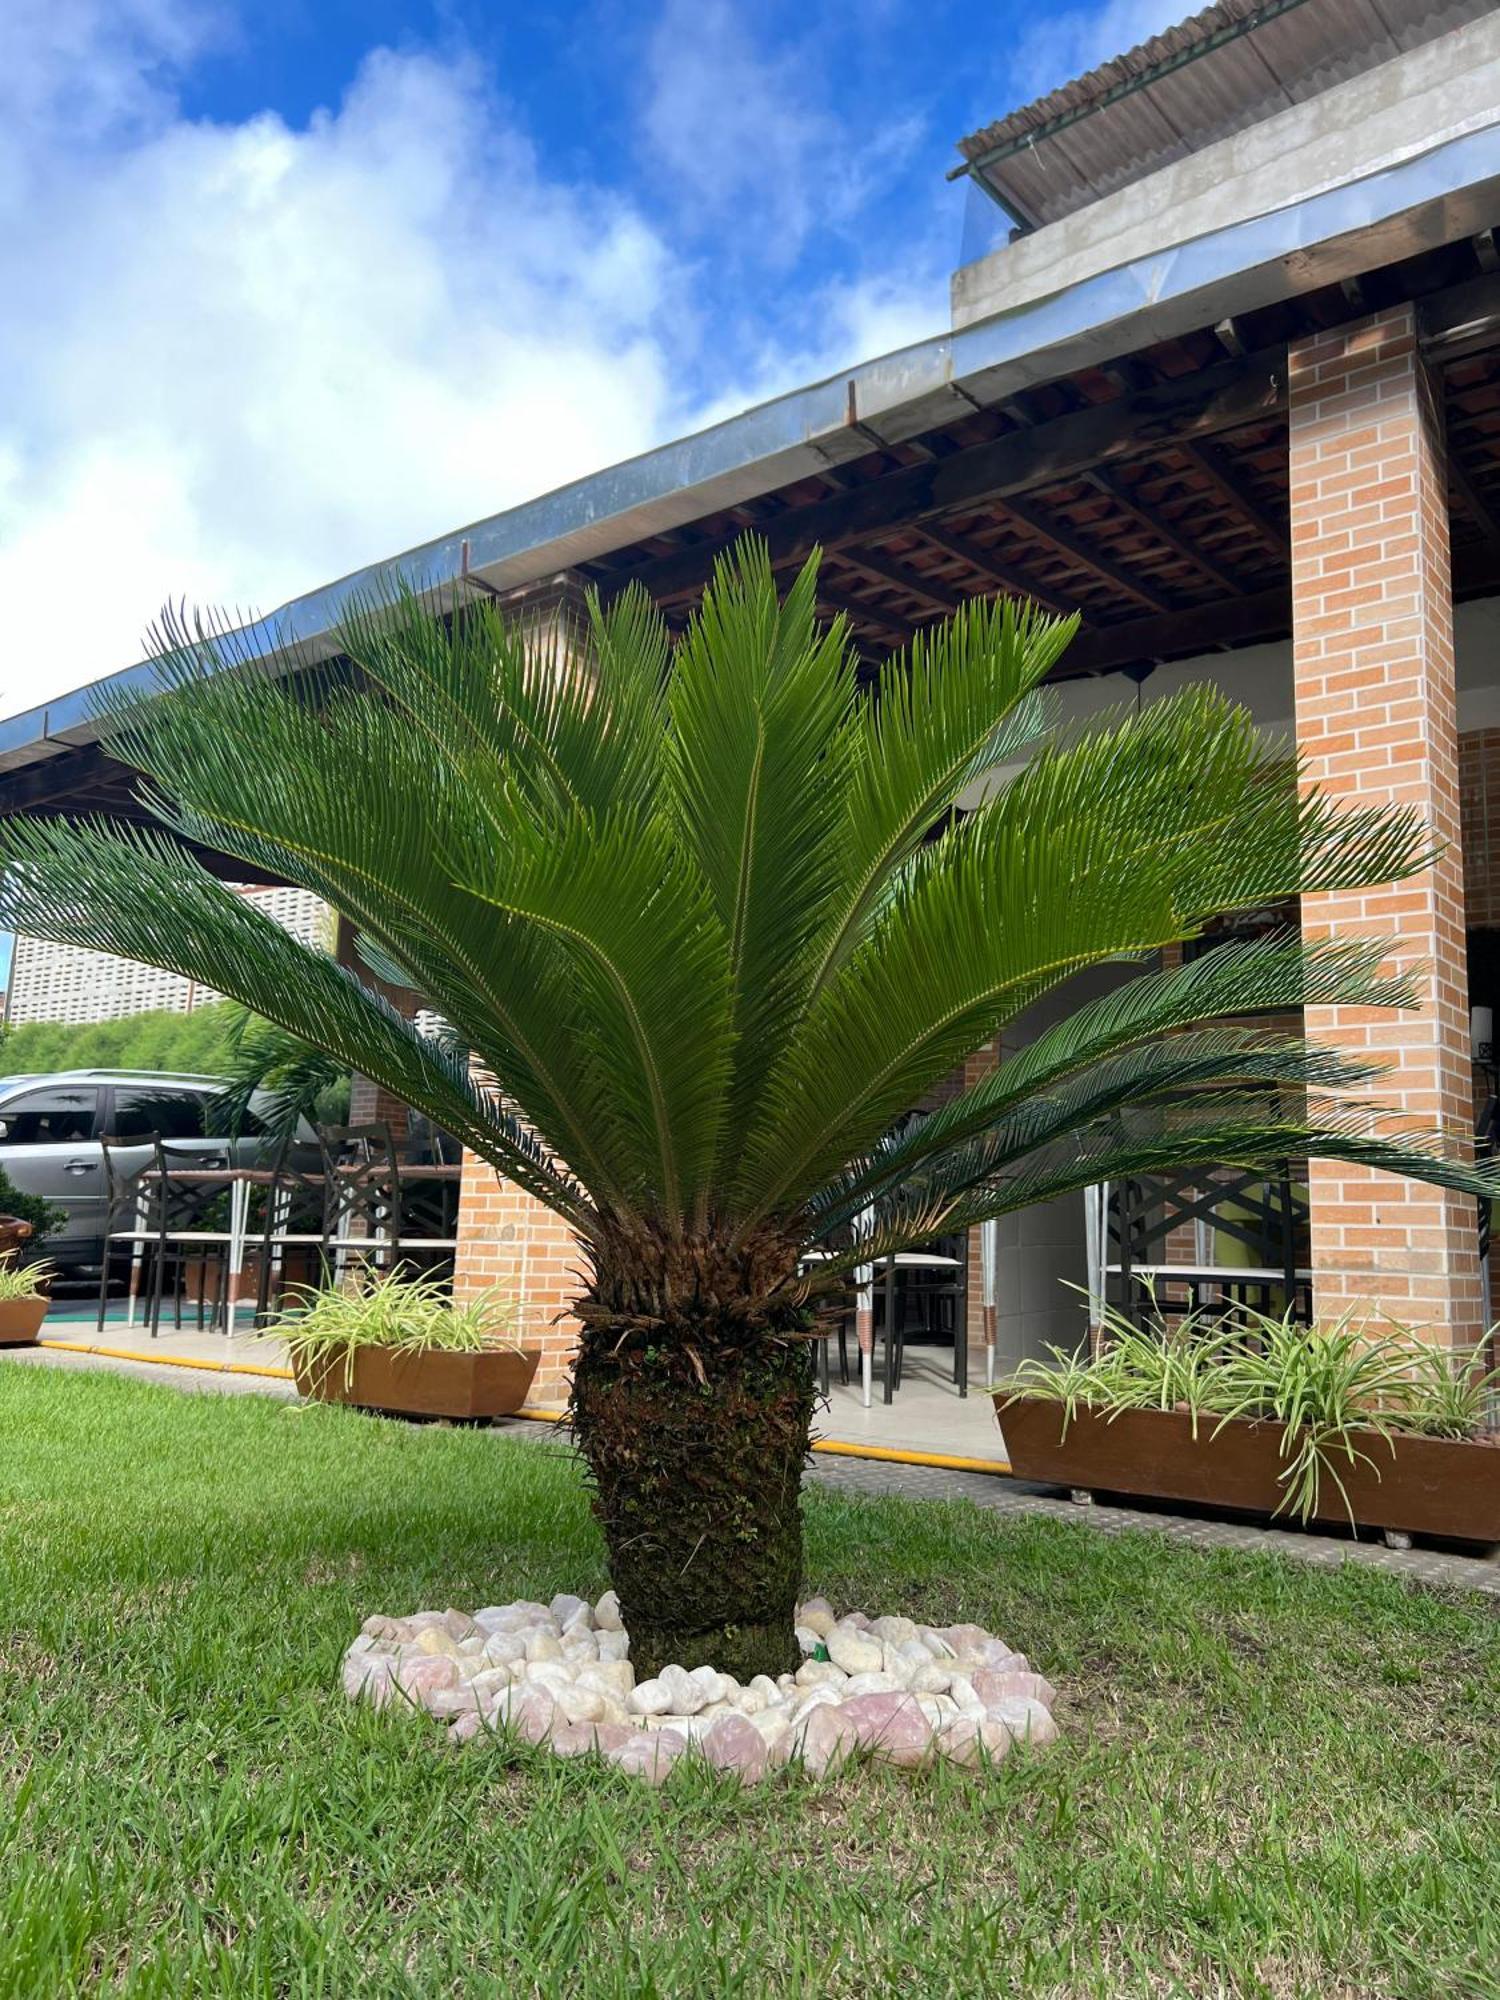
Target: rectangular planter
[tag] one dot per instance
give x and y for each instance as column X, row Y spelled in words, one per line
column 21, row 1321
column 1420, row 1486
column 490, row 1383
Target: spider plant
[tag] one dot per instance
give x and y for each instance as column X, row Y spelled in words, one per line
column 1336, row 1391
column 23, row 1281
column 1329, row 1388
column 410, row 1315
column 1452, row 1393
column 1158, row 1366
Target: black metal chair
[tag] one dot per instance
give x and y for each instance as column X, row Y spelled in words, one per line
column 366, row 1204
column 929, row 1287
column 292, row 1221
column 184, row 1208
column 1250, row 1242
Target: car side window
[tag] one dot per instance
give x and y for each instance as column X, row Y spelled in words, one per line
column 49, row 1117
column 175, row 1114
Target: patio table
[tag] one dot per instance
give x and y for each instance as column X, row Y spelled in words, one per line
column 241, row 1183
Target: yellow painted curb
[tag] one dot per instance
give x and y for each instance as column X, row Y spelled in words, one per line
column 835, row 1447
column 168, row 1360
column 949, row 1462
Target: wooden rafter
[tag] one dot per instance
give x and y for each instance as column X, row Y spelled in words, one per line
column 1225, row 397
column 1157, row 523
column 1232, row 489
column 881, row 568
column 1005, row 575
column 1077, row 548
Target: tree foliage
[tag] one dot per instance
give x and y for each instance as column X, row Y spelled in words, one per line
column 161, row 1040
column 712, row 917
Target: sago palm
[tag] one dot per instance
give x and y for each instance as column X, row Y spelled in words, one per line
column 706, row 918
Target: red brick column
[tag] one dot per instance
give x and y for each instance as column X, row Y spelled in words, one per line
column 509, row 1240
column 1377, row 720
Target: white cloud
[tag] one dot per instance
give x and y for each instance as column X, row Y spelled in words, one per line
column 242, row 359
column 746, row 144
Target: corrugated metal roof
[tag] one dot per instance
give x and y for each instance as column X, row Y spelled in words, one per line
column 1228, row 67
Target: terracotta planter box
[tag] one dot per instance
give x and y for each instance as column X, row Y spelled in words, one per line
column 490, row 1383
column 21, row 1321
column 1424, row 1486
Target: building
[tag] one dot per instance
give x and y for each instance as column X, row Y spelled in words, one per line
column 56, row 982
column 1225, row 379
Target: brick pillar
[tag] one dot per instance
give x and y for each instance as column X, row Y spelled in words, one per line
column 1377, row 721
column 506, row 1238
column 509, row 1240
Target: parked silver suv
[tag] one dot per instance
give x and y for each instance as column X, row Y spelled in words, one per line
column 50, row 1128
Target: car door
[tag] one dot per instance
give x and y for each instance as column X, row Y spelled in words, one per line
column 49, row 1145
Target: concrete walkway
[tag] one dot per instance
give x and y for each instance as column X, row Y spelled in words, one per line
column 1440, row 1567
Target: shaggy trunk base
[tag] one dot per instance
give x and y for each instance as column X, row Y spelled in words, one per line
column 697, row 1488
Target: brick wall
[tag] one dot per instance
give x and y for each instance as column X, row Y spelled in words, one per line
column 509, row 1240
column 1377, row 720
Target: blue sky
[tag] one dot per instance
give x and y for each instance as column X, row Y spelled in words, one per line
column 287, row 287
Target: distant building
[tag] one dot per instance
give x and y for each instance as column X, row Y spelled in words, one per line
column 58, row 982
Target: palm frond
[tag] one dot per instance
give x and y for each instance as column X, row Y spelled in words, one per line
column 757, row 782
column 134, row 892
column 1277, row 973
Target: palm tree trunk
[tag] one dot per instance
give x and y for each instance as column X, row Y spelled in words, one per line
column 697, row 1489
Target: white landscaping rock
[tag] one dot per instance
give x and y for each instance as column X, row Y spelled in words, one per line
column 649, row 1698
column 820, row 1673
column 854, row 1651
column 559, row 1676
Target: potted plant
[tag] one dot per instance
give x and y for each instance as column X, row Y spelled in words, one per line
column 23, row 1300
column 400, row 1344
column 1379, row 1429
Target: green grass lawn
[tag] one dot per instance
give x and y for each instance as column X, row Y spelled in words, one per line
column 1273, row 1780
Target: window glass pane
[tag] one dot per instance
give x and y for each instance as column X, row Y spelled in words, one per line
column 48, row 1117
column 219, row 1124
column 174, row 1114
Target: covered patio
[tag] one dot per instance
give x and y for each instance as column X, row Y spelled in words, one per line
column 1261, row 451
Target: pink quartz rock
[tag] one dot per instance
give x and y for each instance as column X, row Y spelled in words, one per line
column 963, row 1638
column 992, row 1685
column 893, row 1726
column 824, row 1741
column 733, row 1744
column 1028, row 1721
column 974, row 1740
column 581, row 1739
column 991, row 1653
column 648, row 1753
column 532, row 1716
column 458, row 1624
column 381, row 1627
column 369, row 1675
column 467, row 1726
column 425, row 1674
column 445, row 1703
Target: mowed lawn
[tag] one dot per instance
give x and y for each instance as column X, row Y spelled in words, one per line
column 1273, row 1780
